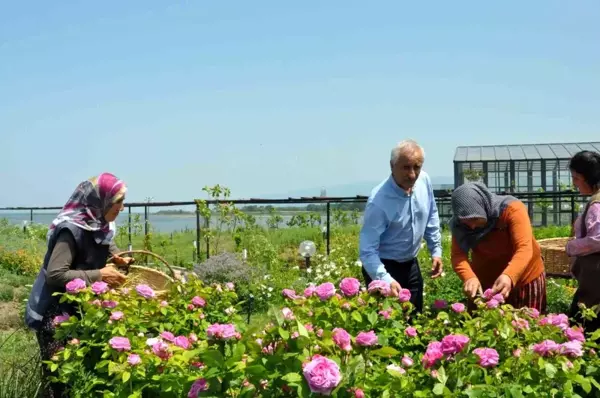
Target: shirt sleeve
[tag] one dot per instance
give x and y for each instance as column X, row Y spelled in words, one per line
column 460, row 262
column 591, row 242
column 432, row 235
column 374, row 225
column 112, row 248
column 521, row 235
column 59, row 271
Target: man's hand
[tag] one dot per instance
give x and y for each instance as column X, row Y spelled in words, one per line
column 436, row 267
column 472, row 287
column 395, row 288
column 503, row 285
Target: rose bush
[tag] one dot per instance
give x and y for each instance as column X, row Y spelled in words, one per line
column 335, row 339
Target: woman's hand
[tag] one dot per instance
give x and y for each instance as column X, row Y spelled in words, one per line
column 123, row 260
column 472, row 287
column 503, row 285
column 111, row 276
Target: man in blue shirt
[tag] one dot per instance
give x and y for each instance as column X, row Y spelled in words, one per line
column 400, row 212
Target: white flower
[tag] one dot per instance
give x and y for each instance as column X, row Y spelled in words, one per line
column 230, row 311
column 150, row 342
column 309, row 271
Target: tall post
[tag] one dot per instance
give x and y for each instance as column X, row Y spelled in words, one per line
column 573, row 210
column 207, row 226
column 31, row 215
column 146, row 220
column 328, row 228
column 197, row 233
column 130, row 246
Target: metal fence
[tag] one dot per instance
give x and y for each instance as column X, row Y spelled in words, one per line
column 545, row 208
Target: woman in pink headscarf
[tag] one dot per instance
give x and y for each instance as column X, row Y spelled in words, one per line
column 80, row 242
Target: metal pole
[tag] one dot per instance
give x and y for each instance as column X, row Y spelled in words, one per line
column 145, row 220
column 328, row 227
column 207, row 226
column 573, row 211
column 129, row 227
column 31, row 215
column 197, row 233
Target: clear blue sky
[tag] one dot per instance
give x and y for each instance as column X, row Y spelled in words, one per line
column 274, row 96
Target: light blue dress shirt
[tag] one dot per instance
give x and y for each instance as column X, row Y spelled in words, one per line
column 394, row 225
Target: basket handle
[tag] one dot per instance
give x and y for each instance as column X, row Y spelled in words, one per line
column 147, row 253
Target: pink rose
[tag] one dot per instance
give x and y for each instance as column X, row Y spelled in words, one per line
column 100, row 287
column 161, row 350
column 488, row 357
column 145, row 291
column 342, row 339
column 170, row 337
column 358, row 393
column 440, row 304
column 346, row 306
column 433, row 354
column 561, row 321
column 385, row 314
column 493, row 304
column 350, row 287
column 289, row 293
column 61, row 318
column 96, row 302
column 221, row 331
column 458, row 307
column 74, row 342
column 410, row 331
column 499, row 298
column 454, row 343
column 75, row 285
column 198, row 301
column 517, row 353
column 120, row 343
column 379, row 287
column 200, row 385
column 309, row 291
column 193, row 338
column 404, row 295
column 109, row 304
column 309, row 327
column 322, row 375
column 288, row 315
column 366, row 339
column 325, row 291
column 407, row 361
column 488, row 294
column 520, row 324
column 164, row 303
column 546, row 348
column 575, row 334
column 571, row 349
column 116, row 316
column 230, row 286
column 182, row 341
column 534, row 313
column 134, row 359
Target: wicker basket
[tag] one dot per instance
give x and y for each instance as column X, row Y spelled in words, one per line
column 157, row 280
column 555, row 257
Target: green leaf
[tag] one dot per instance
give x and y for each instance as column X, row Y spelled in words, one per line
column 386, row 352
column 372, row 317
column 284, row 333
column 438, row 389
column 126, row 376
column 356, row 316
column 550, row 370
column 66, row 353
column 292, row 377
column 212, row 358
column 53, row 367
column 301, row 329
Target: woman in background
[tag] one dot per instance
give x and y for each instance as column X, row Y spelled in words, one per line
column 506, row 258
column 584, row 248
column 80, row 241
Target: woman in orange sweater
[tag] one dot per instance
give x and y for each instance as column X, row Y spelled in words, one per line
column 505, row 257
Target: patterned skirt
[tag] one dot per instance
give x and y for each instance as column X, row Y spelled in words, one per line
column 531, row 295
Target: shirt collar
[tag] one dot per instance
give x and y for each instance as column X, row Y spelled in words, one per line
column 399, row 190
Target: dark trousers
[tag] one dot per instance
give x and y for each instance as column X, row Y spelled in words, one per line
column 408, row 275
column 575, row 313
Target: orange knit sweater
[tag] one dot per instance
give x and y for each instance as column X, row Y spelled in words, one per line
column 509, row 249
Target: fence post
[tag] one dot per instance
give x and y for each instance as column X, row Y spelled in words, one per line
column 146, row 220
column 207, row 226
column 197, row 233
column 31, row 215
column 130, row 247
column 328, row 227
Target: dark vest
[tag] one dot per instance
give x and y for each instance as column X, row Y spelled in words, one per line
column 89, row 256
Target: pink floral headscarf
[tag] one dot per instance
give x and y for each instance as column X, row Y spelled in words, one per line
column 88, row 204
